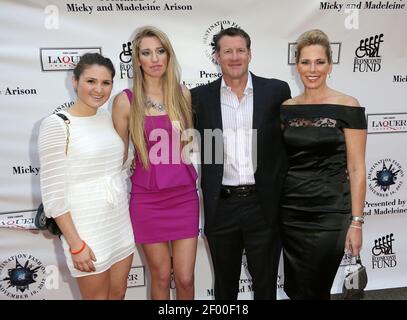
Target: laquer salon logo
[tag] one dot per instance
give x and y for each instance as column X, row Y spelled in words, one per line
column 21, row 277
column 385, row 177
column 213, row 29
column 387, row 123
column 62, row 59
column 367, row 54
column 383, row 253
column 125, row 57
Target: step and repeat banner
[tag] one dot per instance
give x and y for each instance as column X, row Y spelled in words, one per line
column 41, row 41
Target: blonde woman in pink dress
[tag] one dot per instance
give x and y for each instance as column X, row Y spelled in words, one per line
column 164, row 202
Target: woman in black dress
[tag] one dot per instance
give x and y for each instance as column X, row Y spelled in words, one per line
column 324, row 191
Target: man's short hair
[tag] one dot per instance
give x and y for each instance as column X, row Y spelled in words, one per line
column 231, row 32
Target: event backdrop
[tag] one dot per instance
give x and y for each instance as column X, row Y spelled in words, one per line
column 41, row 40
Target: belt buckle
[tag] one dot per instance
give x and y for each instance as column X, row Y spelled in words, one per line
column 243, row 192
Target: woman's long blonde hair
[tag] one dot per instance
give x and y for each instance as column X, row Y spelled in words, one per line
column 177, row 107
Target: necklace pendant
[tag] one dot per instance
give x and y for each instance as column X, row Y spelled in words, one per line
column 155, row 105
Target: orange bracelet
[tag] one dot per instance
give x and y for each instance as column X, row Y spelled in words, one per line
column 80, row 250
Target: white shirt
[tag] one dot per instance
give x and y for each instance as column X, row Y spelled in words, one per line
column 237, row 122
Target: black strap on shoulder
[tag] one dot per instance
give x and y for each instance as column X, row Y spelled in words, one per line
column 62, row 116
column 67, row 122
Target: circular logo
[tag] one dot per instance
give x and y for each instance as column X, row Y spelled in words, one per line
column 385, row 177
column 21, row 276
column 213, row 29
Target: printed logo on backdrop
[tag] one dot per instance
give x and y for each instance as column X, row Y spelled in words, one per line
column 367, row 5
column 128, row 5
column 367, row 54
column 22, row 170
column 245, row 282
column 125, row 56
column 335, row 50
column 63, row 106
column 400, row 78
column 62, row 59
column 136, row 277
column 17, row 91
column 19, row 220
column 383, row 255
column 207, row 76
column 387, row 123
column 213, row 29
column 385, row 177
column 21, row 277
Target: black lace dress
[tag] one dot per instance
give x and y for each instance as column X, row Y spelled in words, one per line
column 316, row 202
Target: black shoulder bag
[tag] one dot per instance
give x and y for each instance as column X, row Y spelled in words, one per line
column 41, row 221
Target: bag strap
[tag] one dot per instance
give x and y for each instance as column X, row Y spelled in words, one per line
column 67, row 122
column 358, row 260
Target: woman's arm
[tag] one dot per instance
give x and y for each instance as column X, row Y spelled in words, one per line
column 83, row 260
column 121, row 119
column 356, row 146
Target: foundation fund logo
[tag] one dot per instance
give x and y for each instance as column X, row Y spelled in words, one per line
column 383, row 255
column 213, row 29
column 368, row 58
column 21, row 277
column 125, row 56
column 385, row 177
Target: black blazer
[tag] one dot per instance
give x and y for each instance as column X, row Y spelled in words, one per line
column 268, row 95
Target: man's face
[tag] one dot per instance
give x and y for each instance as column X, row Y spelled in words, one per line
column 233, row 57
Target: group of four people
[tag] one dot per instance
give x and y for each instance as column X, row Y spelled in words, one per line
column 291, row 172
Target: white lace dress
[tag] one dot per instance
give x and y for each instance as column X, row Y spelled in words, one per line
column 88, row 182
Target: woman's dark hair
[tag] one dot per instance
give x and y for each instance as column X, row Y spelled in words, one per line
column 231, row 32
column 89, row 59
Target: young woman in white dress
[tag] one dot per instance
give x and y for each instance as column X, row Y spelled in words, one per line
column 83, row 187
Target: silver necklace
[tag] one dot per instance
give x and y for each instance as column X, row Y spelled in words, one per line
column 159, row 106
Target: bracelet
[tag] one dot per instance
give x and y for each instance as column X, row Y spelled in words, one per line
column 356, row 227
column 80, row 250
column 360, row 219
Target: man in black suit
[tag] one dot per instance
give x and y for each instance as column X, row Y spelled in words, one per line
column 241, row 192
